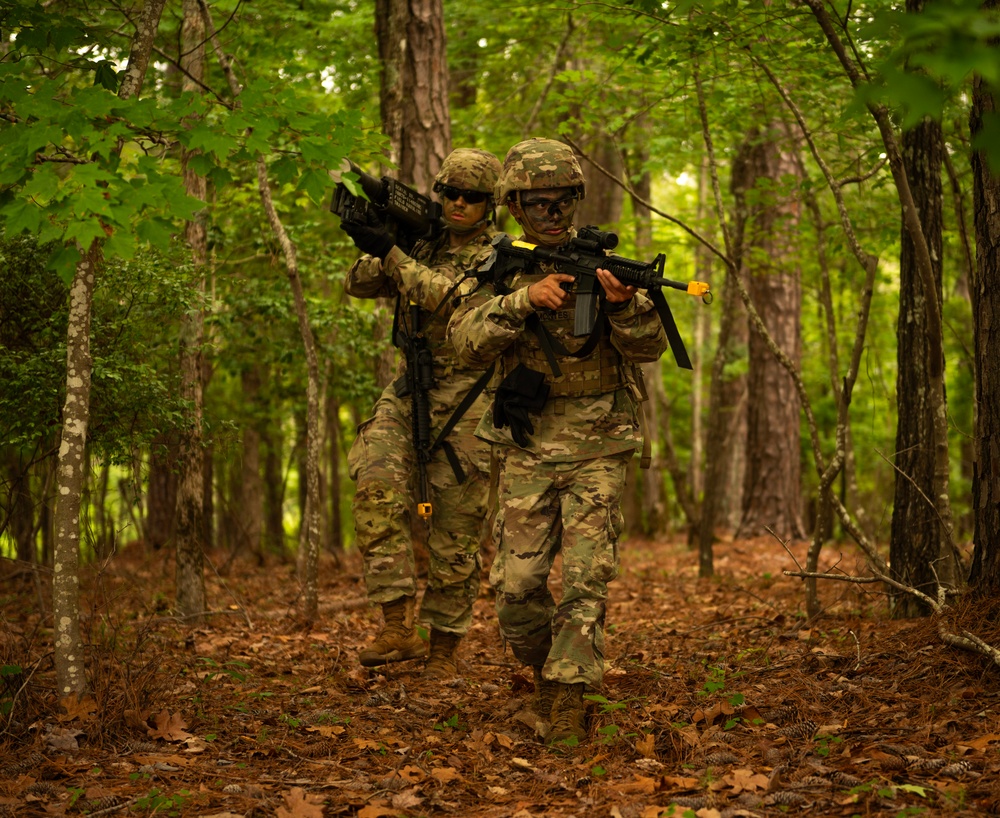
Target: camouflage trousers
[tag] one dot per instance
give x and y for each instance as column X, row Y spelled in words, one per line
column 382, row 462
column 546, row 509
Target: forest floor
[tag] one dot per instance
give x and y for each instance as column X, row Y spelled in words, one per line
column 720, row 699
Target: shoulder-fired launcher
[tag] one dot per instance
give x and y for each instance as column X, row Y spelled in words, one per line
column 408, row 215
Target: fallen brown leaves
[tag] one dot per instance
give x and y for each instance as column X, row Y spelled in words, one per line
column 719, row 700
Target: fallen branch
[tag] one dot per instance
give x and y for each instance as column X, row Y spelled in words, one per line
column 963, row 639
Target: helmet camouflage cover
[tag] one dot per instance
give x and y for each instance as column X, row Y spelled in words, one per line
column 470, row 169
column 536, row 164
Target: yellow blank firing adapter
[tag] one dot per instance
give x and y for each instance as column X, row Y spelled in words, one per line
column 424, row 510
column 701, row 288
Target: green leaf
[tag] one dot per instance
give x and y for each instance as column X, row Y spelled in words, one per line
column 121, row 244
column 21, row 215
column 201, row 164
column 106, row 76
column 63, row 261
column 210, row 139
column 220, row 177
column 916, row 790
column 284, row 171
column 315, row 184
column 84, row 231
column 156, row 231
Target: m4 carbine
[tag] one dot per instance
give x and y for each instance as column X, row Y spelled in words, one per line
column 581, row 257
column 408, row 215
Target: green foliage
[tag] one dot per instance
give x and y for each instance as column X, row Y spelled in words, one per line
column 233, row 669
column 452, row 723
column 163, row 804
column 78, row 163
column 133, row 396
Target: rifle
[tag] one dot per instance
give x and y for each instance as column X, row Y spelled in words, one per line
column 581, row 257
column 408, row 215
column 419, row 381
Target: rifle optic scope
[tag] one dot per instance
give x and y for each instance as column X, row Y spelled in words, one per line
column 595, row 239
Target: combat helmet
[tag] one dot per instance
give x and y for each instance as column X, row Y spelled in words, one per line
column 539, row 163
column 469, row 169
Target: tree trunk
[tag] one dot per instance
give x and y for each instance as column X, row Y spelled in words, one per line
column 603, row 203
column 190, row 578
column 311, row 530
column 702, row 318
column 985, row 574
column 916, row 537
column 416, row 117
column 725, row 437
column 772, row 492
column 69, row 659
column 21, row 518
column 274, row 491
column 161, row 494
column 414, row 89
column 68, row 653
column 250, row 504
column 414, row 109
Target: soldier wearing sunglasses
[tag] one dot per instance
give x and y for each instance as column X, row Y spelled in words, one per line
column 384, row 459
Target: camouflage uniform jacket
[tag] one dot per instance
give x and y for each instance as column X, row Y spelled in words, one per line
column 425, row 278
column 571, row 427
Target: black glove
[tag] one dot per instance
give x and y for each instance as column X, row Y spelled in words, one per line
column 522, row 391
column 370, row 237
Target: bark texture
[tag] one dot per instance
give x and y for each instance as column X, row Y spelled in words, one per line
column 69, row 658
column 190, row 520
column 985, row 574
column 771, row 488
column 916, row 533
column 414, row 89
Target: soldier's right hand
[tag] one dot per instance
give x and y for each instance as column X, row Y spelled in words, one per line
column 549, row 293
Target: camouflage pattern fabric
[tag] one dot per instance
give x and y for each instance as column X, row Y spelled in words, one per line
column 562, row 491
column 470, row 169
column 382, row 458
column 487, row 328
column 546, row 508
column 537, row 164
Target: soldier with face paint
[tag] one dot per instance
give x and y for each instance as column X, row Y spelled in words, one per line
column 383, row 458
column 563, row 424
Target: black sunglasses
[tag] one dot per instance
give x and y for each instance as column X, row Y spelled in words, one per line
column 454, row 193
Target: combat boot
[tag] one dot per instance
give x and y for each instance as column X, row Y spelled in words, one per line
column 398, row 639
column 544, row 695
column 568, row 715
column 442, row 662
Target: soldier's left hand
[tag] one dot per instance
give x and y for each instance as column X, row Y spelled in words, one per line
column 614, row 291
column 371, row 238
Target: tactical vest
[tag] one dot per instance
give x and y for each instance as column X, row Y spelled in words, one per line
column 434, row 254
column 601, row 371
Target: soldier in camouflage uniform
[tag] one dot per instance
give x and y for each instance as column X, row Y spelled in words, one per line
column 382, row 460
column 561, row 438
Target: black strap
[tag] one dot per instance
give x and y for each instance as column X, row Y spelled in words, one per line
column 551, row 345
column 470, row 398
column 670, row 328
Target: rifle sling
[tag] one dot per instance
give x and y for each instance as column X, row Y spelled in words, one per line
column 551, row 345
column 470, row 397
column 670, row 328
